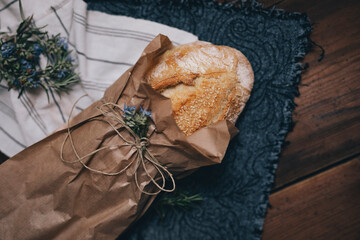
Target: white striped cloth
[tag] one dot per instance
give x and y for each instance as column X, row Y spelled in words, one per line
column 104, row 45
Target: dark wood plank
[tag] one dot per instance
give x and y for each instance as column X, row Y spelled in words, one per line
column 325, row 206
column 328, row 113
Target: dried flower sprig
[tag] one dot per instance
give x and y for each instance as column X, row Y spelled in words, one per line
column 137, row 121
column 20, row 60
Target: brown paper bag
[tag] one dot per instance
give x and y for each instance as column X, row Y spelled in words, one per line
column 42, row 197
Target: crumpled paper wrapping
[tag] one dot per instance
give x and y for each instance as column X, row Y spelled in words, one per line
column 41, row 197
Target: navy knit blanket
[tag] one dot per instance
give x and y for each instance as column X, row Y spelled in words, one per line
column 235, row 192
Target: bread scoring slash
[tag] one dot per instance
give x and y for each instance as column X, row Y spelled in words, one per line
column 206, row 83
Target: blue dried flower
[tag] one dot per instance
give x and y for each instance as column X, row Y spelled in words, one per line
column 33, row 74
column 26, row 67
column 16, row 82
column 7, row 50
column 38, row 49
column 147, row 113
column 69, row 59
column 35, row 84
column 128, row 110
column 62, row 43
column 62, row 73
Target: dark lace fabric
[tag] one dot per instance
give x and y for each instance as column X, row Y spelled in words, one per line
column 235, row 192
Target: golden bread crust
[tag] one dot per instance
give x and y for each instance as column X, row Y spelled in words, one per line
column 206, row 83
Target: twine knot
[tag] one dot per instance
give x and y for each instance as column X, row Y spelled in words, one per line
column 142, row 143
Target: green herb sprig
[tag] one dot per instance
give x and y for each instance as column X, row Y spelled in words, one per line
column 177, row 201
column 20, row 56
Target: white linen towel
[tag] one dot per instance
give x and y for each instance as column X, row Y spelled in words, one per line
column 104, row 47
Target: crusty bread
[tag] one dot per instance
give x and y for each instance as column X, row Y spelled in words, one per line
column 206, row 83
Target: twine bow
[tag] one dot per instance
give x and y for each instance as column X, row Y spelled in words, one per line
column 140, row 144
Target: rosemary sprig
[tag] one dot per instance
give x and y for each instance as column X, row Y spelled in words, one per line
column 20, row 57
column 177, row 201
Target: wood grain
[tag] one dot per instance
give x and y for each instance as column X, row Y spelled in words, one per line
column 327, row 117
column 325, row 206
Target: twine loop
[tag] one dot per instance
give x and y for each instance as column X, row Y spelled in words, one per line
column 142, row 155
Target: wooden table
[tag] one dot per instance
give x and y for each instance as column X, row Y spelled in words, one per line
column 316, row 194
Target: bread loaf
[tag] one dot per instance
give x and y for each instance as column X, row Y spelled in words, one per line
column 206, row 83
